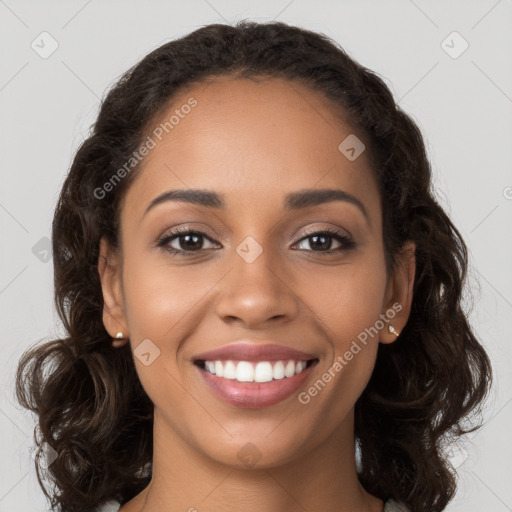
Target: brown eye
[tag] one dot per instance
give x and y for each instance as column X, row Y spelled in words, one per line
column 183, row 241
column 321, row 241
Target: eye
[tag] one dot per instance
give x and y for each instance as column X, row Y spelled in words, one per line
column 322, row 240
column 185, row 241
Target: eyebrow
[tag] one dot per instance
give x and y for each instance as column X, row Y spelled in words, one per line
column 293, row 201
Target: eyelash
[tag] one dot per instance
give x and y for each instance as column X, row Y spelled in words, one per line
column 345, row 241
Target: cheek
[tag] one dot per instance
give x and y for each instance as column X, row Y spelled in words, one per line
column 162, row 303
column 347, row 305
column 347, row 309
column 158, row 296
column 348, row 299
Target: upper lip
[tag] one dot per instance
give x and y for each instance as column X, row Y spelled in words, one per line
column 250, row 351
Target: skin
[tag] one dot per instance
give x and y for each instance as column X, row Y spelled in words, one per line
column 253, row 142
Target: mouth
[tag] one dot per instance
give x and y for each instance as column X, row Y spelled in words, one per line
column 254, row 384
column 252, row 371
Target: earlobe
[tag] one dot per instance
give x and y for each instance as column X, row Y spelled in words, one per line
column 109, row 270
column 398, row 306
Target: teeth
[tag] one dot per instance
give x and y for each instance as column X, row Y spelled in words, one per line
column 219, row 370
column 262, row 371
column 278, row 370
column 300, row 366
column 229, row 370
column 290, row 369
column 244, row 371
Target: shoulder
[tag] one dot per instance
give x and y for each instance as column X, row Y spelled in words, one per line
column 114, row 506
column 394, row 506
column 108, row 506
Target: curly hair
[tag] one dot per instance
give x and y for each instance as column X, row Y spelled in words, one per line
column 425, row 386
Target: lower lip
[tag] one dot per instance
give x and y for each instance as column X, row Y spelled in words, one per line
column 254, row 395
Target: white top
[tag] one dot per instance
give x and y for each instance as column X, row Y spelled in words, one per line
column 394, row 506
column 108, row 506
column 114, row 506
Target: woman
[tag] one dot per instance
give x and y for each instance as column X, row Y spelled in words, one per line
column 261, row 295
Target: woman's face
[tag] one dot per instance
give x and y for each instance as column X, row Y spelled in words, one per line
column 255, row 272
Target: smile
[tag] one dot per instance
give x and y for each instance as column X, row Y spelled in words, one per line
column 252, row 374
column 250, row 371
column 253, row 385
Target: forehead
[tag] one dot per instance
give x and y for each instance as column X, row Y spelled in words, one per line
column 252, row 140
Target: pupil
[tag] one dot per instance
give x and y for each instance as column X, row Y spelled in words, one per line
column 324, row 245
column 188, row 237
column 319, row 242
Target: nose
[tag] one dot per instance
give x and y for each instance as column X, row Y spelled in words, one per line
column 254, row 294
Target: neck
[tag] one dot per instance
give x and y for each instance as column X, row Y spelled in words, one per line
column 323, row 478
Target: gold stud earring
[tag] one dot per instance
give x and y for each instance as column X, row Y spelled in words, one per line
column 392, row 330
column 119, row 340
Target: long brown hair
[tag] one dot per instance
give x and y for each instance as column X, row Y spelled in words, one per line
column 91, row 406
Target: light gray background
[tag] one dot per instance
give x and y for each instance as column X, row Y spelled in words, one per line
column 463, row 106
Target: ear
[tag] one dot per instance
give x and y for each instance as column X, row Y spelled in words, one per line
column 109, row 269
column 399, row 293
